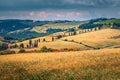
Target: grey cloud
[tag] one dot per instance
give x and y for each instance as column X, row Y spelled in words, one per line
column 58, row 9
column 56, row 4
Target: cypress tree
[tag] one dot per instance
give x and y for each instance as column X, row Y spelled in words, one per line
column 30, row 43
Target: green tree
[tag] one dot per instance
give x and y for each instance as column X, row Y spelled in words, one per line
column 4, row 46
column 15, row 45
column 45, row 49
column 22, row 51
column 38, row 40
column 69, row 33
column 30, row 43
column 52, row 38
column 59, row 36
column 21, row 45
column 44, row 39
column 74, row 33
column 36, row 44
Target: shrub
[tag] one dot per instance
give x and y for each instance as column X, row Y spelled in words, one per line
column 50, row 50
column 71, row 49
column 3, row 46
column 56, row 50
column 80, row 42
column 22, row 51
column 21, row 45
column 44, row 40
column 71, row 40
column 66, row 40
column 96, row 48
column 63, row 49
column 7, row 52
column 59, row 36
column 45, row 49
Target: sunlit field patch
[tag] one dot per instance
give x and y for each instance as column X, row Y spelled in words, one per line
column 78, row 65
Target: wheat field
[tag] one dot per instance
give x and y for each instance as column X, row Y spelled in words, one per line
column 78, row 65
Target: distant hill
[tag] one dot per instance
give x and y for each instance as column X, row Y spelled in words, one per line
column 25, row 29
column 14, row 28
column 28, row 29
column 102, row 23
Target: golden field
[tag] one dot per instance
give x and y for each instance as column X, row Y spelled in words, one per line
column 101, row 64
column 99, row 38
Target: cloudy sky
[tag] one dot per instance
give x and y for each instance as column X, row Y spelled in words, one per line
column 59, row 9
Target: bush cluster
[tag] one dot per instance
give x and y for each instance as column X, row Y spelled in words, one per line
column 66, row 49
column 7, row 52
column 66, row 40
column 22, row 51
column 45, row 49
column 96, row 48
column 71, row 40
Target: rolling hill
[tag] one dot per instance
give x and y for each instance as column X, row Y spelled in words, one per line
column 28, row 29
column 104, row 38
column 25, row 29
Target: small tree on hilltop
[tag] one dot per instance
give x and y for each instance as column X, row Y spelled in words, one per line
column 74, row 33
column 69, row 33
column 21, row 45
column 95, row 28
column 27, row 46
column 44, row 39
column 59, row 36
column 3, row 46
column 15, row 46
column 38, row 40
column 36, row 44
column 91, row 29
column 30, row 43
column 52, row 38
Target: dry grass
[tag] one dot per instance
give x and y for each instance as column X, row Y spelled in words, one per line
column 80, row 65
column 61, row 45
column 97, row 38
column 97, row 35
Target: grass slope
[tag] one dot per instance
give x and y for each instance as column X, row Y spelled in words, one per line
column 80, row 65
column 102, row 38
